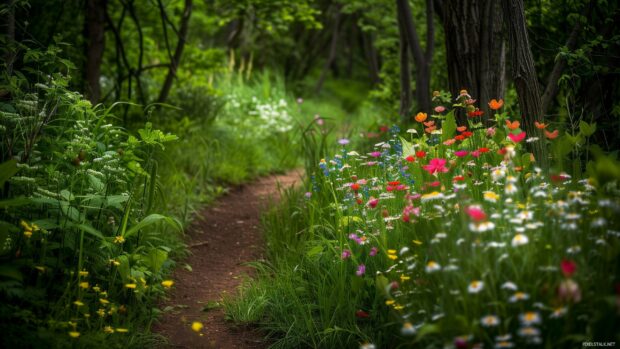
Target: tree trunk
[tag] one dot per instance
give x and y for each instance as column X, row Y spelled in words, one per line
column 9, row 57
column 333, row 50
column 94, row 28
column 372, row 58
column 178, row 52
column 405, row 74
column 475, row 48
column 524, row 72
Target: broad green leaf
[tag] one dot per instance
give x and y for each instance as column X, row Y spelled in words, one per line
column 150, row 220
column 314, row 251
column 7, row 170
column 448, row 126
column 586, row 129
column 156, row 259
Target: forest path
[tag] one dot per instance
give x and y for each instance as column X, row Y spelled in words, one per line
column 222, row 238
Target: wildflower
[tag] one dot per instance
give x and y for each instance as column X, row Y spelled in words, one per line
column 481, row 227
column 519, row 240
column 504, row 344
column 420, row 154
column 78, row 303
column 498, row 173
column 197, row 326
column 489, row 321
column 568, row 267
column 529, row 331
column 513, row 125
column 421, row 117
column 375, row 154
column 490, row 196
column 552, row 135
column 510, row 189
column 490, row 131
column 496, row 104
column 449, row 141
column 101, row 312
column 530, row 318
column 343, row 141
column 569, row 291
column 167, row 283
column 408, row 329
column 361, row 270
column 431, row 196
column 410, row 158
column 432, row 266
column 368, row 346
column 475, row 287
column 436, row 165
column 517, row 137
column 361, row 314
column 373, row 251
column 108, row 329
column 104, row 301
column 119, row 239
column 355, row 187
column 74, row 334
column 540, row 125
column 345, row 254
column 476, row 213
column 518, row 296
column 84, row 284
column 440, row 109
column 558, row 312
column 475, row 113
column 131, row 286
column 461, row 153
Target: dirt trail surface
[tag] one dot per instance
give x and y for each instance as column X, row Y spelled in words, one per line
column 222, row 238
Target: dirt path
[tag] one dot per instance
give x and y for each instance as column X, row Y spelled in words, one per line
column 221, row 239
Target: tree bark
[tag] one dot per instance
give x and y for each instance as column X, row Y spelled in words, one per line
column 524, row 72
column 94, row 28
column 372, row 58
column 475, row 48
column 178, row 52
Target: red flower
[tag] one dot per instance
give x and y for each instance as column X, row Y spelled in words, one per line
column 383, row 128
column 459, row 137
column 517, row 137
column 360, row 314
column 467, row 134
column 475, row 113
column 476, row 214
column 410, row 158
column 483, row 150
column 458, row 178
column 355, row 187
column 568, row 267
column 420, row 154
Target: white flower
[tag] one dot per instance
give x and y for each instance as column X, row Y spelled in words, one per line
column 432, row 266
column 519, row 240
column 519, row 296
column 530, row 318
column 489, row 321
column 407, row 329
column 509, row 285
column 475, row 286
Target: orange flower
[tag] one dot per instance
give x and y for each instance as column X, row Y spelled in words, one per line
column 495, row 104
column 461, row 128
column 540, row 125
column 552, row 135
column 429, row 123
column 430, row 129
column 513, row 125
column 421, row 117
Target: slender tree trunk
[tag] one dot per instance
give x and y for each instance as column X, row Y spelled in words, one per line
column 405, row 74
column 333, row 50
column 94, row 28
column 178, row 52
column 9, row 57
column 524, row 72
column 475, row 48
column 372, row 59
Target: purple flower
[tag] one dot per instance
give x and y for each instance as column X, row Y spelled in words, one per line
column 361, row 270
column 345, row 254
column 373, row 251
column 308, row 195
column 343, row 141
column 356, row 238
column 375, row 154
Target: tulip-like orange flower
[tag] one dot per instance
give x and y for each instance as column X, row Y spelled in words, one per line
column 421, row 117
column 495, row 104
column 552, row 135
column 461, row 128
column 540, row 125
column 513, row 125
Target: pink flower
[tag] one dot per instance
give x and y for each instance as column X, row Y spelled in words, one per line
column 361, row 270
column 408, row 210
column 375, row 154
column 436, row 165
column 475, row 153
column 345, row 254
column 476, row 213
column 372, row 203
column 491, row 131
column 373, row 251
column 440, row 109
column 568, row 267
column 516, row 137
column 461, row 153
column 569, row 291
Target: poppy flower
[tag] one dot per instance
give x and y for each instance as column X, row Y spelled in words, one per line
column 355, row 187
column 421, row 117
column 513, row 125
column 483, row 150
column 496, row 104
column 516, row 137
column 568, row 267
column 467, row 134
column 540, row 125
column 459, row 137
column 410, row 158
column 552, row 135
column 473, row 114
column 420, row 154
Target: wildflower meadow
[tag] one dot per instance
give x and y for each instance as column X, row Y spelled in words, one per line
column 365, row 174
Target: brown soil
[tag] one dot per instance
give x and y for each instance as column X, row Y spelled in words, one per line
column 222, row 238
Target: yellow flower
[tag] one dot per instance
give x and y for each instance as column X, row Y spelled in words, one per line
column 84, row 273
column 404, row 278
column 74, row 334
column 399, row 307
column 417, row 242
column 108, row 329
column 132, row 286
column 101, row 312
column 392, row 256
column 25, row 225
column 197, row 326
column 115, row 262
column 389, row 302
column 491, row 196
column 121, row 330
column 84, row 284
column 104, row 301
column 96, row 288
column 391, row 251
column 27, row 234
column 167, row 283
column 78, row 303
column 119, row 239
